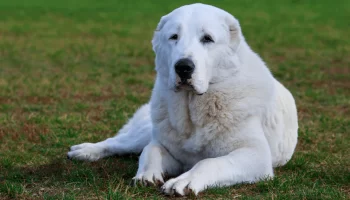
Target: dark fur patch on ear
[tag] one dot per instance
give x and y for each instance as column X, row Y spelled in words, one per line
column 232, row 28
column 233, row 25
column 234, row 31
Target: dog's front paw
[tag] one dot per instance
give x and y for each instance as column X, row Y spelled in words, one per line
column 86, row 151
column 183, row 185
column 148, row 178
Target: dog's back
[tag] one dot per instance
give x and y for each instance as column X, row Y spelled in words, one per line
column 281, row 126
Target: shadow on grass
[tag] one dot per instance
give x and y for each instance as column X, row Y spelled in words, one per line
column 67, row 176
column 110, row 178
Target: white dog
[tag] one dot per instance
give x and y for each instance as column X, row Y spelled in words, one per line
column 217, row 116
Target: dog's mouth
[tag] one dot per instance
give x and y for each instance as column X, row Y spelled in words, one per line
column 186, row 84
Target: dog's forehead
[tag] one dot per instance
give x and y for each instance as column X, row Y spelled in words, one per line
column 196, row 17
column 198, row 8
column 196, row 12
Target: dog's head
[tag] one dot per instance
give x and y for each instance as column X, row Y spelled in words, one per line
column 196, row 46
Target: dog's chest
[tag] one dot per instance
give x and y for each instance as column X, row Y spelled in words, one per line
column 198, row 125
column 189, row 112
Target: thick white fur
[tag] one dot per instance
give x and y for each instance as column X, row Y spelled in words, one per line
column 243, row 125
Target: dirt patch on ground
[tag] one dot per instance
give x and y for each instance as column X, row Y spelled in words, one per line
column 43, row 100
column 32, row 132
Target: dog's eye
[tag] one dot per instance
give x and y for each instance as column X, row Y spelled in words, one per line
column 207, row 39
column 173, row 37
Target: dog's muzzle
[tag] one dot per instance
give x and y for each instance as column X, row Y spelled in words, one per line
column 184, row 68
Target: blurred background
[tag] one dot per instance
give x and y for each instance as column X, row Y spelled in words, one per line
column 73, row 71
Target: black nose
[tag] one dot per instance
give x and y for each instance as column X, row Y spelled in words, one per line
column 184, row 68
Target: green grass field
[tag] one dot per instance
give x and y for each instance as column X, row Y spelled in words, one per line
column 73, row 71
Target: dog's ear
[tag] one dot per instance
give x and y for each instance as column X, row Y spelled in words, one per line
column 235, row 31
column 156, row 35
column 162, row 22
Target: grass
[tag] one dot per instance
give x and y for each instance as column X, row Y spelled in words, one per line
column 75, row 71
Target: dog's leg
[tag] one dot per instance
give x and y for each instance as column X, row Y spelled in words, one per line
column 132, row 138
column 248, row 163
column 242, row 165
column 156, row 162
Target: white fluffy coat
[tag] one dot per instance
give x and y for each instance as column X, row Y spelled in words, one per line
column 243, row 124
